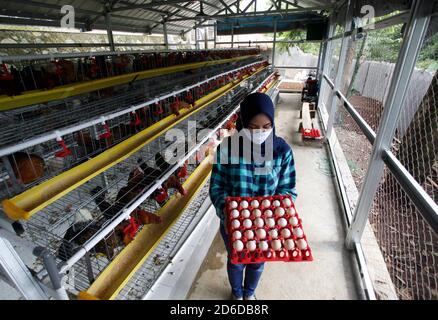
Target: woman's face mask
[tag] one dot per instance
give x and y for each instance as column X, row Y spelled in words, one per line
column 257, row 136
column 259, row 129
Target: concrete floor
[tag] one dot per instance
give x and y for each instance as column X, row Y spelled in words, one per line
column 330, row 275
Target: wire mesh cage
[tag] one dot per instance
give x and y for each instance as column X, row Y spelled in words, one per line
column 408, row 242
column 30, row 166
column 365, row 82
column 20, row 76
column 68, row 224
column 146, row 276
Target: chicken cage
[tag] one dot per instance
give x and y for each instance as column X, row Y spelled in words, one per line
column 20, row 75
column 89, row 223
column 42, row 160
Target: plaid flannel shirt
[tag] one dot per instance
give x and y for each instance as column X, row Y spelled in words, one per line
column 240, row 179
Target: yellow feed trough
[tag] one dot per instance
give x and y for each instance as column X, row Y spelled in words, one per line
column 24, row 205
column 123, row 267
column 65, row 91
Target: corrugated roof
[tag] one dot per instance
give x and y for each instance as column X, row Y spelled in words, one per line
column 126, row 15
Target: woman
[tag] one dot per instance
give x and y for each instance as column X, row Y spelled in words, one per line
column 245, row 177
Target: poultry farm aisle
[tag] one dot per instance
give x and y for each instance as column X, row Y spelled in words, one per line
column 330, row 275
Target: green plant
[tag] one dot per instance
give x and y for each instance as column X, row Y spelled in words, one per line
column 297, row 35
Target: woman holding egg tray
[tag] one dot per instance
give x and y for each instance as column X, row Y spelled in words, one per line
column 253, row 162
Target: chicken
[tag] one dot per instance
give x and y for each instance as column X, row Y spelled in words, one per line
column 80, row 232
column 141, row 177
column 123, row 64
column 27, row 167
column 10, row 83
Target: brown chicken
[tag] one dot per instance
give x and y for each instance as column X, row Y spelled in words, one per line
column 27, row 167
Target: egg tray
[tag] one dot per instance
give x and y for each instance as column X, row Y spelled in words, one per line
column 258, row 255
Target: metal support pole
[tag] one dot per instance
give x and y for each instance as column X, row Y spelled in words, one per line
column 232, row 36
column 89, row 267
column 52, row 271
column 196, row 39
column 16, row 186
column 109, row 30
column 206, row 38
column 326, row 61
column 14, row 269
column 318, row 72
column 165, row 35
column 415, row 32
column 215, row 34
column 339, row 73
column 274, row 42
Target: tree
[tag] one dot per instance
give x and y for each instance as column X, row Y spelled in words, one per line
column 297, row 35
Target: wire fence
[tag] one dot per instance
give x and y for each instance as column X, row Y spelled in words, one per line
column 408, row 244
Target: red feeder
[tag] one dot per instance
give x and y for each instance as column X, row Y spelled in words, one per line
column 58, row 67
column 137, row 120
column 107, row 133
column 132, row 228
column 183, row 171
column 65, row 150
column 4, row 73
column 189, row 97
column 158, row 109
column 162, row 195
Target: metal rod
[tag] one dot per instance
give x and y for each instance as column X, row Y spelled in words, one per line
column 52, row 271
column 345, row 207
column 387, row 22
column 109, row 30
column 319, row 60
column 70, row 45
column 14, row 269
column 100, row 53
column 274, row 42
column 165, row 35
column 232, row 36
column 196, row 38
column 258, row 13
column 413, row 38
column 339, row 72
column 424, row 203
column 205, row 38
column 269, row 41
column 363, row 125
column 16, row 186
column 298, row 67
column 215, row 35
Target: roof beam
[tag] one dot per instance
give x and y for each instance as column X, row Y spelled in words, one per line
column 210, row 4
column 315, row 3
column 50, row 6
column 178, row 6
column 170, row 15
column 226, row 6
column 249, row 5
column 55, row 23
column 295, row 4
column 203, row 20
column 243, row 14
column 151, row 5
column 277, row 6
